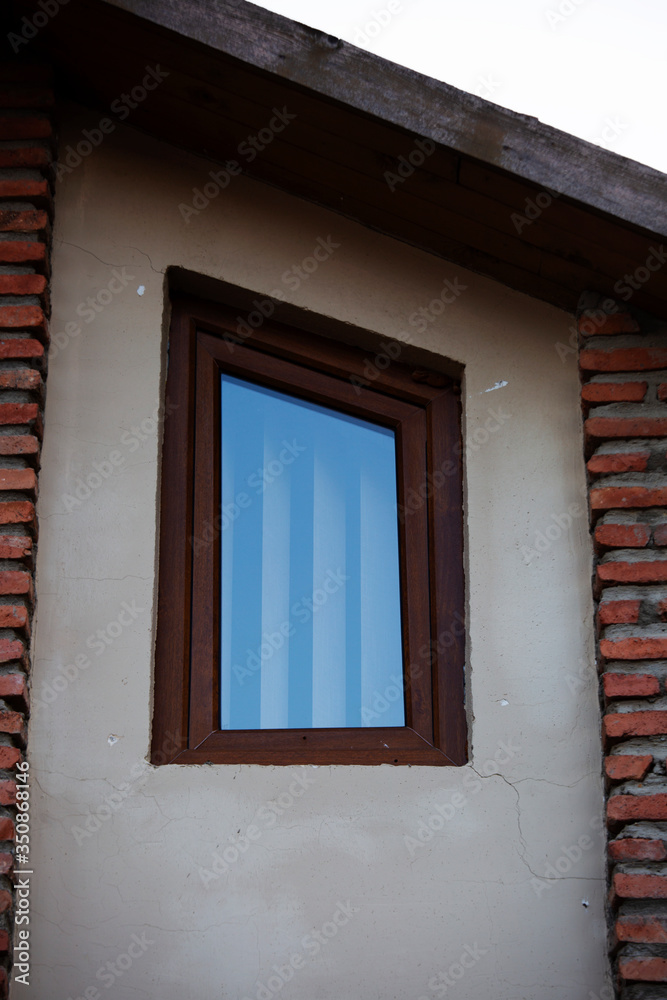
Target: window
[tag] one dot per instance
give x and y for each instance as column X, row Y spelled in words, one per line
column 311, row 576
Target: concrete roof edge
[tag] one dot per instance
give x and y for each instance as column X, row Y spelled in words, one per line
column 336, row 70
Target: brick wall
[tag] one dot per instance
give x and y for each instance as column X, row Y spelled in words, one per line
column 25, row 211
column 623, row 361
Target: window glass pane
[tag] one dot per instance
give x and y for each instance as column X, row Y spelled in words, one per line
column 311, row 622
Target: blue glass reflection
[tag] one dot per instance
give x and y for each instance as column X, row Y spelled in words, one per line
column 311, row 623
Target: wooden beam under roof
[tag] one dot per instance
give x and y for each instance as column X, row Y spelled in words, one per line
column 230, row 64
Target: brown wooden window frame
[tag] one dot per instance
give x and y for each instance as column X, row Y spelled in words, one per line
column 424, row 410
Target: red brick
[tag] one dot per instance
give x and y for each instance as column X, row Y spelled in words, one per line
column 11, row 722
column 20, row 317
column 18, row 444
column 5, row 900
column 12, row 221
column 624, row 767
column 24, row 188
column 630, row 686
column 25, row 97
column 634, row 648
column 15, row 547
column 22, row 284
column 22, row 252
column 11, row 649
column 19, row 347
column 6, row 829
column 662, row 391
column 25, row 156
column 614, row 392
column 649, row 969
column 648, row 927
column 7, row 792
column 608, row 497
column 17, row 512
column 626, row 807
column 643, row 571
column 624, row 359
column 626, row 427
column 597, row 323
column 634, row 461
column 33, row 74
column 639, row 886
column 9, row 757
column 20, row 378
column 25, row 127
column 616, row 612
column 637, row 849
column 13, row 616
column 17, row 479
column 660, row 534
column 14, row 582
column 623, row 536
column 18, row 413
column 648, row 723
column 4, row 935
column 13, row 685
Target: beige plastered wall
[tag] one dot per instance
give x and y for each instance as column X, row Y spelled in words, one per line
column 121, row 849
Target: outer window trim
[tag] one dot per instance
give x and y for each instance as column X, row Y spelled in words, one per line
column 426, row 417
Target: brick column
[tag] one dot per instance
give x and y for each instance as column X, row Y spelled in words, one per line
column 26, row 154
column 623, row 362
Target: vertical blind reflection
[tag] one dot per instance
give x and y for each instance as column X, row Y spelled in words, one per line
column 311, row 625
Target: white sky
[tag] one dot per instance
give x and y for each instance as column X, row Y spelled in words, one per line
column 604, row 62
